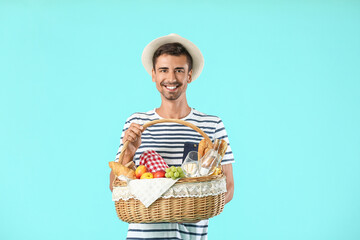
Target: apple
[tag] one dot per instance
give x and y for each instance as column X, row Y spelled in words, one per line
column 159, row 174
column 147, row 175
column 140, row 170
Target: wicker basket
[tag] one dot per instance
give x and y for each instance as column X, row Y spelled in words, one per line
column 183, row 209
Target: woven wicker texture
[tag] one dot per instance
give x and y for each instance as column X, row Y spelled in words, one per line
column 184, row 209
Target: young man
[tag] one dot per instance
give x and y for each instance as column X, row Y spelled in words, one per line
column 173, row 62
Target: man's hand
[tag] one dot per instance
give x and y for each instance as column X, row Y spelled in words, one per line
column 112, row 177
column 228, row 172
column 133, row 135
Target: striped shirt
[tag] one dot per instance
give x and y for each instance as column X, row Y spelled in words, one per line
column 171, row 141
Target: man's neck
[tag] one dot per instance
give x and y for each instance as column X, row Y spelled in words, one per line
column 173, row 109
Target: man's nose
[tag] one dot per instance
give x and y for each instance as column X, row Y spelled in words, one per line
column 172, row 76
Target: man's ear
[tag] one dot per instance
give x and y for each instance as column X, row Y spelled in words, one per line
column 153, row 75
column 190, row 77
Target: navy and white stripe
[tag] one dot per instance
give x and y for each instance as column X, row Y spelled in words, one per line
column 168, row 140
column 181, row 231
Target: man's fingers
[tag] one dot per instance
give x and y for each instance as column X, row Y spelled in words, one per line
column 136, row 128
column 136, row 131
column 131, row 136
column 133, row 133
column 131, row 139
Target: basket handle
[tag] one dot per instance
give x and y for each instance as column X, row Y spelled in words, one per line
column 148, row 124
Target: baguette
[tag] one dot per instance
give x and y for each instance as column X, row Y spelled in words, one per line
column 216, row 144
column 119, row 169
column 204, row 146
column 222, row 148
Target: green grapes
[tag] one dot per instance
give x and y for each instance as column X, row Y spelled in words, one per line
column 174, row 172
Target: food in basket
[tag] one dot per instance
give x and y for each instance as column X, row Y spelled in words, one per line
column 204, row 147
column 211, row 160
column 190, row 169
column 120, row 169
column 147, row 175
column 159, row 174
column 162, row 210
column 219, row 145
column 140, row 170
column 217, row 171
column 222, row 148
column 174, row 172
column 208, row 163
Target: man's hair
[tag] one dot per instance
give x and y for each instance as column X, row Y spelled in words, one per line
column 174, row 49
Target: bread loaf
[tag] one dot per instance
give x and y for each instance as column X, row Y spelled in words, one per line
column 204, row 146
column 222, row 148
column 119, row 169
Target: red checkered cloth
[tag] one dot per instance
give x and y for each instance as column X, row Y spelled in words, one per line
column 153, row 161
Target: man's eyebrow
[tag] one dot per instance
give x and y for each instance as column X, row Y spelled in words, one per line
column 166, row 68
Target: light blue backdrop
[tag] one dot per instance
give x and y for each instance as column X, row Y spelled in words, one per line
column 283, row 75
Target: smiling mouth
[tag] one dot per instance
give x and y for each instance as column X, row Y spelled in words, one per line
column 171, row 88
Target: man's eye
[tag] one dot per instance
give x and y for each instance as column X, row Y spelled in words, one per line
column 162, row 70
column 179, row 70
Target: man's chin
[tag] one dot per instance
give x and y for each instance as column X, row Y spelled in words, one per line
column 171, row 97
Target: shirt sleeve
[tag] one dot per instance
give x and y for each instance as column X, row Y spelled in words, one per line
column 127, row 124
column 220, row 133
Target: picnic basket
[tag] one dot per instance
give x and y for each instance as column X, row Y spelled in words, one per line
column 172, row 209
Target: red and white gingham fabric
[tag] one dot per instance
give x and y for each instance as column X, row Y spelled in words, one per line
column 153, row 161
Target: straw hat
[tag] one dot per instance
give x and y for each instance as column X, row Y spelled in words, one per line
column 194, row 51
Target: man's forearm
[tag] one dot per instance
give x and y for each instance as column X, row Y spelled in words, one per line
column 127, row 158
column 228, row 172
column 230, row 192
column 112, row 177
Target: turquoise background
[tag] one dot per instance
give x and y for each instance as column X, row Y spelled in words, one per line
column 283, row 75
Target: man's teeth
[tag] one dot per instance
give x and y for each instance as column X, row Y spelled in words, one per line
column 171, row 88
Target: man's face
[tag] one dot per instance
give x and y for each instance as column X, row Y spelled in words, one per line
column 171, row 76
